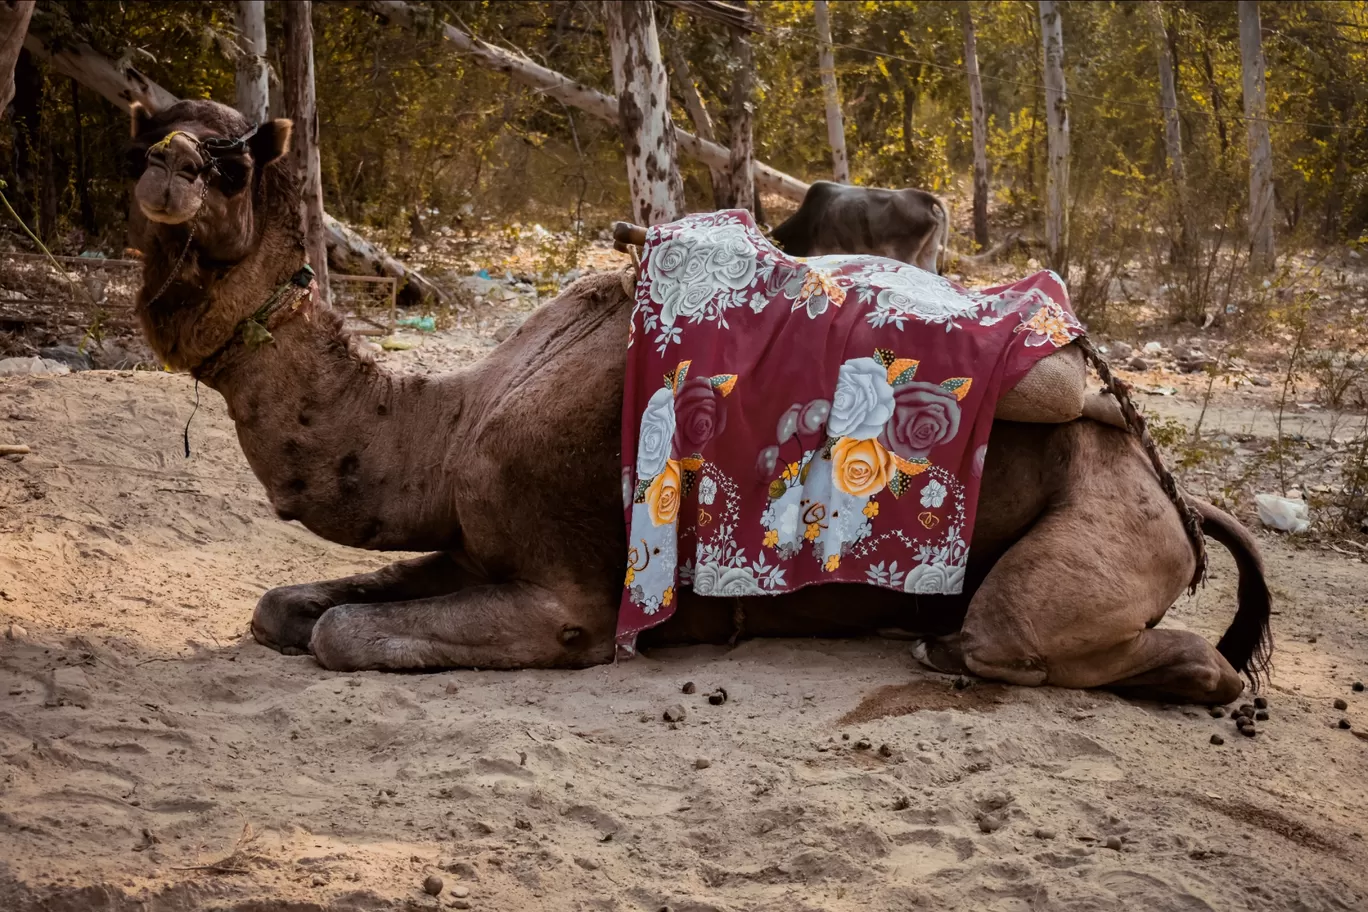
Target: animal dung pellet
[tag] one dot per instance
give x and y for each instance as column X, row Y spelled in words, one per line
column 1345, row 724
column 885, row 750
column 433, row 885
column 702, row 763
column 1358, row 687
column 689, row 687
column 1217, row 740
column 1044, row 833
column 1261, row 715
column 863, row 744
column 1215, row 712
column 1246, row 709
column 1249, row 730
column 990, row 823
column 1114, row 843
column 717, row 697
column 674, row 713
column 1340, row 703
column 1261, row 703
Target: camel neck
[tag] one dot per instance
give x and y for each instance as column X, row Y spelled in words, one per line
column 351, row 450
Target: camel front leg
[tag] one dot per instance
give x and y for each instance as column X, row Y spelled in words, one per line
column 285, row 616
column 502, row 625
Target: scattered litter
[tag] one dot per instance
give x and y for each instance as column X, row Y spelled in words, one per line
column 396, row 345
column 1282, row 513
column 422, row 324
column 1158, row 391
column 11, row 367
column 1152, row 348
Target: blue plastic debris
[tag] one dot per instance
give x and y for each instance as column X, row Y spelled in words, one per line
column 422, row 324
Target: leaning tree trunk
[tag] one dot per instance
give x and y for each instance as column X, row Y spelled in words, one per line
column 648, row 134
column 1173, row 131
column 563, row 88
column 253, row 76
column 14, row 21
column 980, row 128
column 682, row 80
column 1057, row 139
column 298, row 83
column 840, row 163
column 1261, row 251
column 741, row 113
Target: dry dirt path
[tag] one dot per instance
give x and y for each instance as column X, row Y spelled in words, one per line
column 154, row 758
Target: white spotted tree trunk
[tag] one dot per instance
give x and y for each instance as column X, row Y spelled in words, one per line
column 980, row 127
column 253, row 75
column 840, row 163
column 297, row 81
column 648, row 133
column 741, row 113
column 1261, row 202
column 1057, row 139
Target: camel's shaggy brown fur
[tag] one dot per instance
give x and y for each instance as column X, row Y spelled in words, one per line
column 509, row 473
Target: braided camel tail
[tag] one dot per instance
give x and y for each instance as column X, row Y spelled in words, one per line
column 1135, row 422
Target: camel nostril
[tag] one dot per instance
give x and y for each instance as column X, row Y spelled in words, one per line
column 569, row 634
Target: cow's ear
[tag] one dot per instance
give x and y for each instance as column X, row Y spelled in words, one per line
column 271, row 141
column 142, row 118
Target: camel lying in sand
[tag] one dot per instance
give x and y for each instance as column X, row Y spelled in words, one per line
column 509, row 474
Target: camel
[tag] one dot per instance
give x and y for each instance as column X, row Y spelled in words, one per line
column 507, row 476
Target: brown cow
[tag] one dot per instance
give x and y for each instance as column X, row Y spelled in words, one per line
column 906, row 225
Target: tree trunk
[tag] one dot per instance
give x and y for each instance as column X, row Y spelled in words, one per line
column 741, row 113
column 1215, row 99
column 82, row 177
column 298, row 84
column 28, row 113
column 564, row 89
column 683, row 81
column 840, row 164
column 980, row 128
column 648, row 134
column 1261, row 200
column 253, row 75
column 14, row 21
column 1173, row 130
column 1057, row 139
column 49, row 193
column 97, row 72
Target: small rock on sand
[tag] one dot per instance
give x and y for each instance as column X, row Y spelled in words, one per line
column 1139, row 364
column 1341, row 704
column 1114, row 843
column 717, row 697
column 433, row 885
column 1217, row 740
column 15, row 632
column 702, row 763
column 1358, row 687
column 885, row 750
column 990, row 823
column 1045, row 833
column 689, row 687
column 1345, row 724
column 674, row 713
column 1216, row 712
column 863, row 744
column 460, row 892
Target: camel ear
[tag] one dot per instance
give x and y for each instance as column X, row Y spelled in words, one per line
column 272, row 140
column 142, row 119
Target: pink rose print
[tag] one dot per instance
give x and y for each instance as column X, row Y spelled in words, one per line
column 925, row 415
column 700, row 415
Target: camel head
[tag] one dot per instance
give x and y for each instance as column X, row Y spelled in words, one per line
column 201, row 162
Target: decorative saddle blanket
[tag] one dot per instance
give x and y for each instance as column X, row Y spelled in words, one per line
column 795, row 421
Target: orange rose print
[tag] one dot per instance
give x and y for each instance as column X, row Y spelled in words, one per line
column 860, row 468
column 662, row 497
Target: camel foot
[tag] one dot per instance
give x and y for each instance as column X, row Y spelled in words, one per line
column 941, row 654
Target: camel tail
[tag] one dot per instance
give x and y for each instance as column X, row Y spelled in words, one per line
column 1248, row 643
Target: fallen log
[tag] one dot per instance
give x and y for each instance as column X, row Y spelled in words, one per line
column 563, row 88
column 95, row 71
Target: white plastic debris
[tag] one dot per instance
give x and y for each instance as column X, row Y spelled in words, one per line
column 1282, row 513
column 1153, row 348
column 10, row 367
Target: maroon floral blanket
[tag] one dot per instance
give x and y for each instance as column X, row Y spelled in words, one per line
column 789, row 422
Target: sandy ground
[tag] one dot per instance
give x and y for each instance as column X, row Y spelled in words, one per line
column 153, row 757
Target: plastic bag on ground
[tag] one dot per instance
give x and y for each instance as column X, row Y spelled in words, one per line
column 1283, row 514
